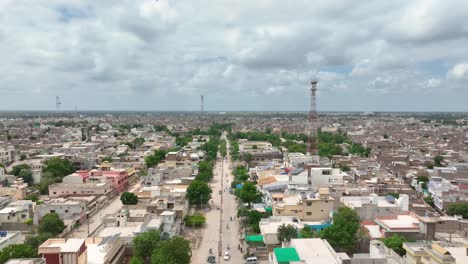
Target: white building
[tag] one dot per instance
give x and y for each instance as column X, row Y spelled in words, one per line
column 325, row 177
column 67, row 209
column 5, row 156
column 269, row 227
column 10, row 238
column 368, row 207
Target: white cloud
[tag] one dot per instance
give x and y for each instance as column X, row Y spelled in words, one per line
column 459, row 71
column 142, row 48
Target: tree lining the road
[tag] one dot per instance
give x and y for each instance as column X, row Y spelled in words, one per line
column 198, row 193
column 150, row 247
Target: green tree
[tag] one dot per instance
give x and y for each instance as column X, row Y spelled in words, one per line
column 198, row 192
column 128, row 198
column 23, row 157
column 18, row 168
column 458, row 209
column 154, row 159
column 395, row 242
column 195, row 220
column 345, row 168
column 307, row 232
column 27, row 176
column 173, row 251
column 51, row 223
column 286, row 232
column 438, row 161
column 47, row 179
column 394, row 194
column 108, row 159
column 36, row 240
column 342, row 234
column 58, row 167
column 424, row 180
column 429, row 200
column 249, row 193
column 17, row 251
column 146, row 242
column 138, row 142
column 136, row 260
column 32, row 197
column 251, row 218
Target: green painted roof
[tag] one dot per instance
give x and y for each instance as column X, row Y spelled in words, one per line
column 257, row 238
column 285, row 255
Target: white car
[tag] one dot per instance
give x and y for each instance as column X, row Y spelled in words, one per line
column 226, row 255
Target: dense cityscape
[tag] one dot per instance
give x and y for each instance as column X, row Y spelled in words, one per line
column 233, row 187
column 233, row 131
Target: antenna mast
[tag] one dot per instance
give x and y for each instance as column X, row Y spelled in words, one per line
column 57, row 103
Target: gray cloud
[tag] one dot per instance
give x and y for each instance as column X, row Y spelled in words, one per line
column 232, row 49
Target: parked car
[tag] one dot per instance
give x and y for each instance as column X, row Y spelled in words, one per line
column 211, row 259
column 251, row 260
column 226, row 255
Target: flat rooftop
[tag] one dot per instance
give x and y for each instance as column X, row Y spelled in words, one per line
column 360, row 201
column 125, row 231
column 399, row 223
column 314, row 250
column 70, row 245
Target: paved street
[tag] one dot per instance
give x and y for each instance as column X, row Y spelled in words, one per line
column 111, row 208
column 211, row 236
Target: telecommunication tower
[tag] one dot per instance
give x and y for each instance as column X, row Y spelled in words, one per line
column 202, row 105
column 312, row 140
column 57, row 103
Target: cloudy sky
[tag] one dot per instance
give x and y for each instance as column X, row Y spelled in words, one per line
column 258, row 55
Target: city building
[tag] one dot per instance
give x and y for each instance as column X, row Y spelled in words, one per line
column 269, row 228
column 313, row 207
column 369, row 207
column 63, row 251
column 10, row 238
column 82, row 189
column 70, row 211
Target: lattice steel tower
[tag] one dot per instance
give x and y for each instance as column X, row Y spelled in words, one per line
column 312, row 140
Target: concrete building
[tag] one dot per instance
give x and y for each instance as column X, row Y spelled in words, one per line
column 17, row 212
column 82, row 189
column 325, row 177
column 71, row 211
column 62, row 251
column 423, row 253
column 119, row 177
column 17, row 190
column 27, row 261
column 105, row 250
column 269, row 228
column 308, row 251
column 445, row 193
column 5, row 156
column 405, row 225
column 253, row 145
column 369, row 207
column 313, row 207
column 10, row 238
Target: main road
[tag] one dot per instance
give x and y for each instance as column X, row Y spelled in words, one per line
column 112, row 207
column 220, row 233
